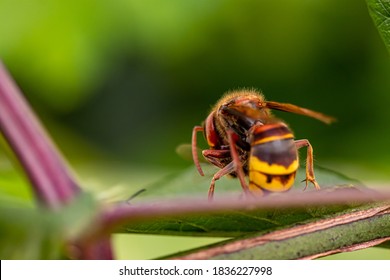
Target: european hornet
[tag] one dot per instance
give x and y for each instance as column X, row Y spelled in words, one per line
column 244, row 138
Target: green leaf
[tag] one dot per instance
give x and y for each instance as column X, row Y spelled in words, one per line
column 189, row 183
column 38, row 233
column 380, row 13
column 13, row 186
column 365, row 227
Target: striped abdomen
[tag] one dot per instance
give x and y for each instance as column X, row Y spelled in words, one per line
column 273, row 160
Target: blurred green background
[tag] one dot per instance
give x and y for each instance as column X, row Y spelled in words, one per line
column 122, row 83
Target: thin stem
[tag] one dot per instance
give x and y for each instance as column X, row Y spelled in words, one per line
column 50, row 177
column 53, row 183
column 318, row 238
column 112, row 218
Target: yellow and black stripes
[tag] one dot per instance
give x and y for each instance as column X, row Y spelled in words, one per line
column 273, row 160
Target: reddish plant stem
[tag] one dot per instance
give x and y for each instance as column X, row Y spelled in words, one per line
column 118, row 215
column 49, row 176
column 97, row 249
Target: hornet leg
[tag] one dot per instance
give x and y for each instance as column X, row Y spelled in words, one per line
column 224, row 171
column 237, row 162
column 218, row 158
column 309, row 162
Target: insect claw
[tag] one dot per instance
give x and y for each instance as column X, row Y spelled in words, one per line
column 210, row 197
column 211, row 191
column 316, row 185
column 306, row 184
column 200, row 170
column 313, row 181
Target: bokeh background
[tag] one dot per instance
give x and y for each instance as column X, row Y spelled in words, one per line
column 120, row 84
